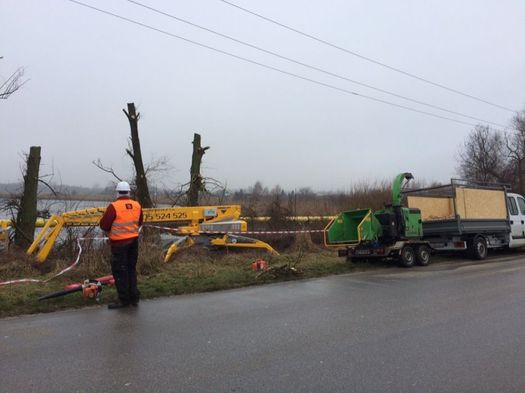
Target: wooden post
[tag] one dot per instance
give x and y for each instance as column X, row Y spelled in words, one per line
column 141, row 181
column 195, row 171
column 26, row 216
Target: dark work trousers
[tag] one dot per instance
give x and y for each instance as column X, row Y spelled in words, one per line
column 124, row 270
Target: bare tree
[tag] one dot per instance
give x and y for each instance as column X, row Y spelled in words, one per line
column 275, row 209
column 177, row 196
column 196, row 180
column 157, row 167
column 27, row 213
column 519, row 121
column 483, row 157
column 135, row 153
column 516, row 147
column 255, row 197
column 212, row 192
column 12, row 84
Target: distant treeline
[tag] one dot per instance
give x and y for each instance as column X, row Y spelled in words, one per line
column 257, row 200
column 64, row 190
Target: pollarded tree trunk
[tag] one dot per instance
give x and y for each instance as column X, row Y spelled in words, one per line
column 196, row 184
column 141, row 181
column 26, row 216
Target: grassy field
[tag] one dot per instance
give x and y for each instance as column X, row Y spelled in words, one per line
column 194, row 270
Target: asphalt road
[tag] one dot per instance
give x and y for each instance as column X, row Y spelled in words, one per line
column 450, row 327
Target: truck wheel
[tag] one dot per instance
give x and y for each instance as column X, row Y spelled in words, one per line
column 423, row 255
column 478, row 248
column 407, row 256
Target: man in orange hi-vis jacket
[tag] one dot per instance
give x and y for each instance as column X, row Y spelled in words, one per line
column 122, row 220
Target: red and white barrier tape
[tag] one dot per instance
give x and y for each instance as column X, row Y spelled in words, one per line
column 239, row 232
column 23, row 280
column 74, row 264
column 273, row 232
column 77, row 260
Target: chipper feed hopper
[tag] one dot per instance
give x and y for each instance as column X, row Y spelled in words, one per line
column 393, row 232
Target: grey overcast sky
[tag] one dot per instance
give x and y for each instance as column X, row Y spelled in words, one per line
column 85, row 66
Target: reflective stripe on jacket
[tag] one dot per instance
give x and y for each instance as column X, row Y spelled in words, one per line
column 126, row 223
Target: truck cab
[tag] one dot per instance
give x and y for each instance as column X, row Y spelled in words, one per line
column 516, row 207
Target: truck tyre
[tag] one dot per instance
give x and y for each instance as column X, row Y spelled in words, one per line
column 423, row 255
column 478, row 248
column 407, row 256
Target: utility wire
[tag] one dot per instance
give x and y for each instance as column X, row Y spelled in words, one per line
column 314, row 67
column 406, row 73
column 270, row 67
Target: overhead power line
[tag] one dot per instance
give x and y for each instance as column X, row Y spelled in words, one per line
column 369, row 59
column 269, row 67
column 311, row 66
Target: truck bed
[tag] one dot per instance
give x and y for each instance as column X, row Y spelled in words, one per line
column 454, row 227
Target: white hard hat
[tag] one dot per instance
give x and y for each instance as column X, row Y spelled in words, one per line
column 123, row 186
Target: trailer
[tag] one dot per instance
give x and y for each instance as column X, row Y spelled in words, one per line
column 460, row 216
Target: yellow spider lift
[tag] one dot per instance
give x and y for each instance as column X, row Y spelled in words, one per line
column 4, row 233
column 208, row 225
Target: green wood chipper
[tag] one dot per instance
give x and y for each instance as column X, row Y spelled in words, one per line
column 394, row 232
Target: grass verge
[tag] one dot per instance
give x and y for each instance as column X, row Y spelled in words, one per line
column 195, row 270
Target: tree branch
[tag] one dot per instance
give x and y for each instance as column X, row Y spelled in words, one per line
column 48, row 186
column 12, row 84
column 100, row 166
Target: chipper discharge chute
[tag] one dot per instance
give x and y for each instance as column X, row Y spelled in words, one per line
column 353, row 227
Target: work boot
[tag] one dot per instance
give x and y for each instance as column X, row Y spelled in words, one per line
column 113, row 306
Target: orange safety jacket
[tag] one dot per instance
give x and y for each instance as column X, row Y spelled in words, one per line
column 126, row 223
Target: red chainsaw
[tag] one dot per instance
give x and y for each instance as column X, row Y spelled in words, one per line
column 90, row 289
